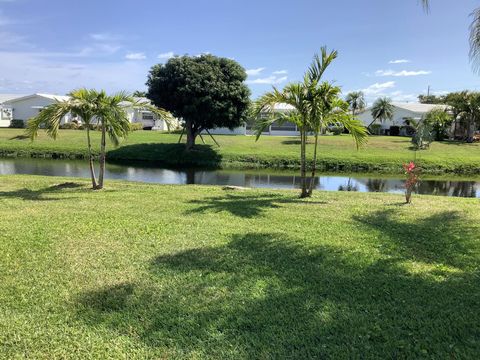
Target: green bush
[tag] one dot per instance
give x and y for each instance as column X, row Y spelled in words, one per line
column 394, row 130
column 336, row 130
column 375, row 129
column 70, row 126
column 17, row 124
column 136, row 126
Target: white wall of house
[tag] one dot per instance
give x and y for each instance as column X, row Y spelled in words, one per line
column 402, row 111
column 399, row 117
column 27, row 107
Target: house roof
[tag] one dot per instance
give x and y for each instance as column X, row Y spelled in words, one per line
column 419, row 108
column 47, row 96
column 8, row 97
column 414, row 107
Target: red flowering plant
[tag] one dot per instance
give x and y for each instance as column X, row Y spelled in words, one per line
column 412, row 172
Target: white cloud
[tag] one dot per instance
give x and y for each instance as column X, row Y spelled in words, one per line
column 399, row 61
column 166, row 55
column 280, row 72
column 135, row 56
column 255, row 72
column 104, row 37
column 270, row 80
column 401, row 73
column 378, row 88
column 400, row 96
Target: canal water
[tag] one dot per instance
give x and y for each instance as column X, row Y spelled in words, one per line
column 459, row 187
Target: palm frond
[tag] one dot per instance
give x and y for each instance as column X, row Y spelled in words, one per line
column 49, row 118
column 474, row 40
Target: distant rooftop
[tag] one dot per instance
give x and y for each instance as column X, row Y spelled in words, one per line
column 419, row 108
column 8, row 97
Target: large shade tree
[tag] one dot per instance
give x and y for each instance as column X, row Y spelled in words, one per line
column 316, row 104
column 205, row 91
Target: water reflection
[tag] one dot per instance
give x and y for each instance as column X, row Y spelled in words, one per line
column 264, row 179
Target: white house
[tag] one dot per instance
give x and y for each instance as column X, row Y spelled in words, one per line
column 283, row 129
column 149, row 120
column 402, row 113
column 6, row 111
column 28, row 106
column 24, row 107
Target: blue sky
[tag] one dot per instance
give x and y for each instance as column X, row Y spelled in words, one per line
column 56, row 45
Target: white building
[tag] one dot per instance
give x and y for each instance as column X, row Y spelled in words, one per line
column 283, row 129
column 24, row 107
column 402, row 113
column 6, row 111
column 28, row 106
column 149, row 120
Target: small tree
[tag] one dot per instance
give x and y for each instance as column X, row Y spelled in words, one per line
column 356, row 101
column 439, row 120
column 382, row 110
column 205, row 91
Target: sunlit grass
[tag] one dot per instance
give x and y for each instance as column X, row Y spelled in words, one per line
column 150, row 271
column 382, row 153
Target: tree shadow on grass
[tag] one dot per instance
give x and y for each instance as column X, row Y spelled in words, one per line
column 246, row 205
column 167, row 154
column 265, row 295
column 442, row 238
column 41, row 194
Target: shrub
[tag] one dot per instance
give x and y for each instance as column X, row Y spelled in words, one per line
column 70, row 126
column 409, row 130
column 17, row 124
column 394, row 130
column 136, row 126
column 375, row 129
column 336, row 130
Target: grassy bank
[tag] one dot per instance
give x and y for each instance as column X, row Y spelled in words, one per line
column 337, row 153
column 148, row 271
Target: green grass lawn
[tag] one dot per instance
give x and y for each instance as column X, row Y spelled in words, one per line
column 336, row 152
column 151, row 271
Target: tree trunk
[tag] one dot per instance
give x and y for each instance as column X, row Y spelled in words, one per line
column 102, row 156
column 470, row 130
column 90, row 159
column 303, row 165
column 191, row 135
column 314, row 165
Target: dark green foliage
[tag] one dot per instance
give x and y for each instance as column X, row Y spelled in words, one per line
column 394, row 130
column 205, row 91
column 17, row 124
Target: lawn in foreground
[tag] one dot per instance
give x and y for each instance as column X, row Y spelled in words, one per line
column 151, row 271
column 382, row 153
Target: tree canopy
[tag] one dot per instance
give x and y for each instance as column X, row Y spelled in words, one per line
column 205, row 91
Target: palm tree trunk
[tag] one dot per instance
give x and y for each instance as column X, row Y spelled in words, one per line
column 303, row 165
column 102, row 157
column 314, row 165
column 90, row 158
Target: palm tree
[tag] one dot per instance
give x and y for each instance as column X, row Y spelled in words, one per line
column 356, row 101
column 382, row 110
column 82, row 103
column 316, row 104
column 113, row 120
column 327, row 108
column 474, row 37
column 109, row 112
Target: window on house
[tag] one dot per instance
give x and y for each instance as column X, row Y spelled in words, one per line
column 285, row 126
column 148, row 117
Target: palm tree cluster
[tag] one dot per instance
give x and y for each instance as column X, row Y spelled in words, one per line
column 107, row 112
column 316, row 104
